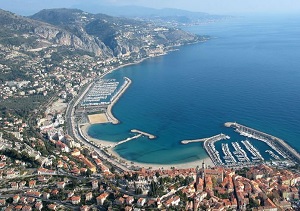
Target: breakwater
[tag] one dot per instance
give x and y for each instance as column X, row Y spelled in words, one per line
column 128, row 139
column 114, row 99
column 150, row 136
column 193, row 140
column 277, row 144
column 211, row 150
column 139, row 134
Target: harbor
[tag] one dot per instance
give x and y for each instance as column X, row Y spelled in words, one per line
column 278, row 145
column 211, row 149
column 234, row 154
column 101, row 93
column 99, row 100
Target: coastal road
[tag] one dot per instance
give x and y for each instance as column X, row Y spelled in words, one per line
column 74, row 131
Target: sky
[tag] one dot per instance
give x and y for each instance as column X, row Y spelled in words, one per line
column 28, row 7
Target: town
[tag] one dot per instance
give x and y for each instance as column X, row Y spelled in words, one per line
column 46, row 163
column 47, row 169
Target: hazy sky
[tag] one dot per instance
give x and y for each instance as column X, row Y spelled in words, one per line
column 210, row 6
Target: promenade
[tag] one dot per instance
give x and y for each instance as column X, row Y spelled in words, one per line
column 73, row 129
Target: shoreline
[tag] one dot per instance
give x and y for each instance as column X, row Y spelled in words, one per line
column 109, row 146
column 114, row 120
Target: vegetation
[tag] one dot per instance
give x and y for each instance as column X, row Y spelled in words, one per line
column 22, row 107
column 155, row 189
column 242, row 172
column 23, row 156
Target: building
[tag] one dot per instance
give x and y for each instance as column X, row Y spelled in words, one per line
column 94, row 184
column 141, row 202
column 88, row 196
column 101, row 198
column 75, row 199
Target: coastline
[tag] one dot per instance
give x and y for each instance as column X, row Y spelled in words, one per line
column 108, row 145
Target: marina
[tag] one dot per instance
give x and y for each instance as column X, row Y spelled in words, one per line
column 255, row 153
column 244, row 152
column 272, row 154
column 240, row 153
column 277, row 144
column 229, row 159
column 114, row 99
column 102, row 93
column 211, row 149
column 100, row 98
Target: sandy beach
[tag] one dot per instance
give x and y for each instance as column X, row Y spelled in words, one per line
column 111, row 151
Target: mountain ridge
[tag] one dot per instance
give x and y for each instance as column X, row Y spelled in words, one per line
column 42, row 42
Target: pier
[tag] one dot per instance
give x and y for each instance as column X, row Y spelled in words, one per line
column 277, row 144
column 150, row 136
column 228, row 157
column 254, row 152
column 239, row 152
column 128, row 139
column 140, row 134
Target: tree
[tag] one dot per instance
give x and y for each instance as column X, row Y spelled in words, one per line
column 138, row 191
column 9, row 200
column 157, row 174
column 89, row 172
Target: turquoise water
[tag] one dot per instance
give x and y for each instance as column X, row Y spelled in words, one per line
column 249, row 72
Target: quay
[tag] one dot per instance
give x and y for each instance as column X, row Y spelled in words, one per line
column 211, row 150
column 277, row 144
column 150, row 136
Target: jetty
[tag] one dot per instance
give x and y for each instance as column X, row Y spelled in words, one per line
column 128, row 139
column 204, row 139
column 277, row 144
column 193, row 141
column 150, row 136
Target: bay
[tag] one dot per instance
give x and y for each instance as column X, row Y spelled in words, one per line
column 249, row 72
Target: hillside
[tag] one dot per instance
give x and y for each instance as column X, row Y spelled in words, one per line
column 165, row 16
column 44, row 51
column 120, row 35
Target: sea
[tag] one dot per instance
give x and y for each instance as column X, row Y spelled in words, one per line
column 248, row 72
